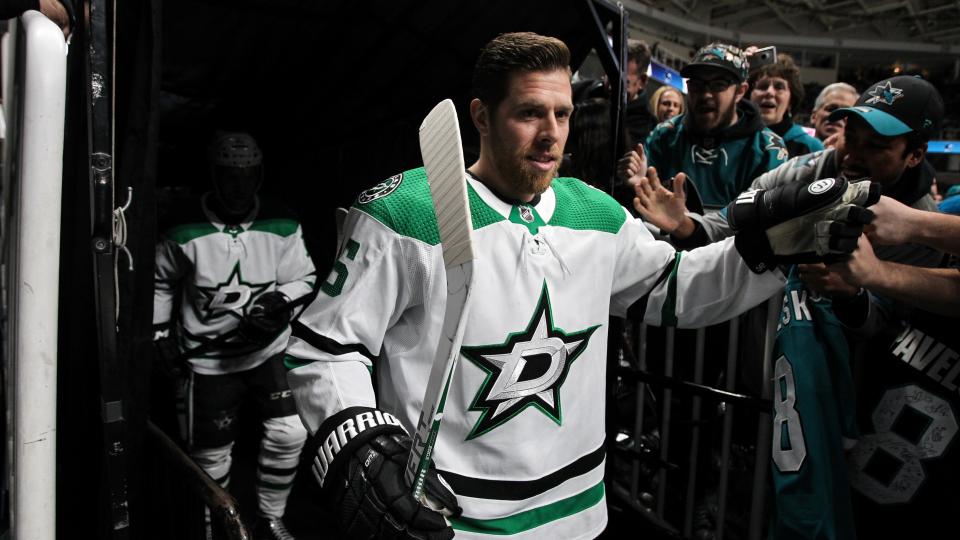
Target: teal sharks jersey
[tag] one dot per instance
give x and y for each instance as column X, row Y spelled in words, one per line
column 814, row 420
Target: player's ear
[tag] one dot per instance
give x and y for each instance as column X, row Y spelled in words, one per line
column 480, row 114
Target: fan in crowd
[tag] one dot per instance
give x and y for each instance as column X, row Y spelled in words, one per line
column 666, row 103
column 777, row 92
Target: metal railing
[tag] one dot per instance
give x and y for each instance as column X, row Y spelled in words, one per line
column 647, row 382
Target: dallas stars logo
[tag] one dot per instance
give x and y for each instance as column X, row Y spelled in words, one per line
column 230, row 297
column 527, row 370
column 885, row 93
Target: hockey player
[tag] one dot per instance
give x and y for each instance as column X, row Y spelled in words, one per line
column 235, row 261
column 521, row 445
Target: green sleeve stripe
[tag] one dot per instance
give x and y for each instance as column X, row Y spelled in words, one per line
column 291, row 362
column 182, row 234
column 668, row 315
column 278, row 226
column 535, row 517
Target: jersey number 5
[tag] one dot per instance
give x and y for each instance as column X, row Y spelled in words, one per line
column 788, row 449
column 340, row 272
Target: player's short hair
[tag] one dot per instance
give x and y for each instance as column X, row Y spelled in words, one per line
column 786, row 69
column 515, row 52
column 638, row 51
column 828, row 89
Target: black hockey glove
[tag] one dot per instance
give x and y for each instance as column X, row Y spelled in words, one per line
column 266, row 318
column 171, row 362
column 361, row 458
column 799, row 222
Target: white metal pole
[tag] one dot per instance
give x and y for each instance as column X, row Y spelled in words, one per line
column 36, row 278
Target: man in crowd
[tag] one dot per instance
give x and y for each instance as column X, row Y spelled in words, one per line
column 235, row 261
column 720, row 143
column 833, row 96
column 522, row 440
column 638, row 118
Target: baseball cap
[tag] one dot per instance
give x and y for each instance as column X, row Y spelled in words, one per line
column 897, row 106
column 719, row 55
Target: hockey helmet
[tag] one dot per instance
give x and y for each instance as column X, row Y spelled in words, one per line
column 235, row 149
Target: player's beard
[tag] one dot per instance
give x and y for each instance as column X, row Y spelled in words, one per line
column 518, row 172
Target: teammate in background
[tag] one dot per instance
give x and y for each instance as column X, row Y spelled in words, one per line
column 719, row 144
column 639, row 121
column 833, row 96
column 666, row 103
column 777, row 91
column 235, row 261
column 522, row 440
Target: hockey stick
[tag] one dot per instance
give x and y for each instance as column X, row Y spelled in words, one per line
column 226, row 336
column 443, row 160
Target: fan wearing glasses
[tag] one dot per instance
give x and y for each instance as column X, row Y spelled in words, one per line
column 719, row 145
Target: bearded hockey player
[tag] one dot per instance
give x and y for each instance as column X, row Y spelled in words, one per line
column 235, row 261
column 521, row 444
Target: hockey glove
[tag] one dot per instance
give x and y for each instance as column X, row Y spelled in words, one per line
column 361, row 459
column 798, row 222
column 266, row 318
column 167, row 351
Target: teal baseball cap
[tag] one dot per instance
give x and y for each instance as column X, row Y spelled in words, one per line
column 898, row 106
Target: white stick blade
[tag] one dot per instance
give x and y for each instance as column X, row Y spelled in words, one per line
column 443, row 160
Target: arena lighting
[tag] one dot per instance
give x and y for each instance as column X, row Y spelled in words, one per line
column 667, row 75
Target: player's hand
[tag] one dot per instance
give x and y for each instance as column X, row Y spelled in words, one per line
column 822, row 279
column 266, row 318
column 364, row 481
column 167, row 351
column 658, row 205
column 800, row 223
column 632, row 164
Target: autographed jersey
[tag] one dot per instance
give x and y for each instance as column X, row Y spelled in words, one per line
column 905, row 468
column 814, row 420
column 521, row 442
column 218, row 271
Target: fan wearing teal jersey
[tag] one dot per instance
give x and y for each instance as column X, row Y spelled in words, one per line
column 520, row 453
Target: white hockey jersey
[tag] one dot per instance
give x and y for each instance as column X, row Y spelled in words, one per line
column 219, row 270
column 523, row 429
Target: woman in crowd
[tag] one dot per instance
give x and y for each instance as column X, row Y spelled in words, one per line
column 666, row 103
column 777, row 92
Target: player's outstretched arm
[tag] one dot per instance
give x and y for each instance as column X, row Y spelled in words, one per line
column 361, row 455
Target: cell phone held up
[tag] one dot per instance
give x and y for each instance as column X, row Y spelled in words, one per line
column 763, row 57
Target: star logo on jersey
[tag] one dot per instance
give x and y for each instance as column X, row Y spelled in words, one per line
column 527, row 370
column 885, row 93
column 230, row 297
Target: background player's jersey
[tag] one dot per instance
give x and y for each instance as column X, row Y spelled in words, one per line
column 814, row 420
column 522, row 437
column 219, row 270
column 906, row 465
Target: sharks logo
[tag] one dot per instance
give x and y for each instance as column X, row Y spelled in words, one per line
column 527, row 370
column 884, row 93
